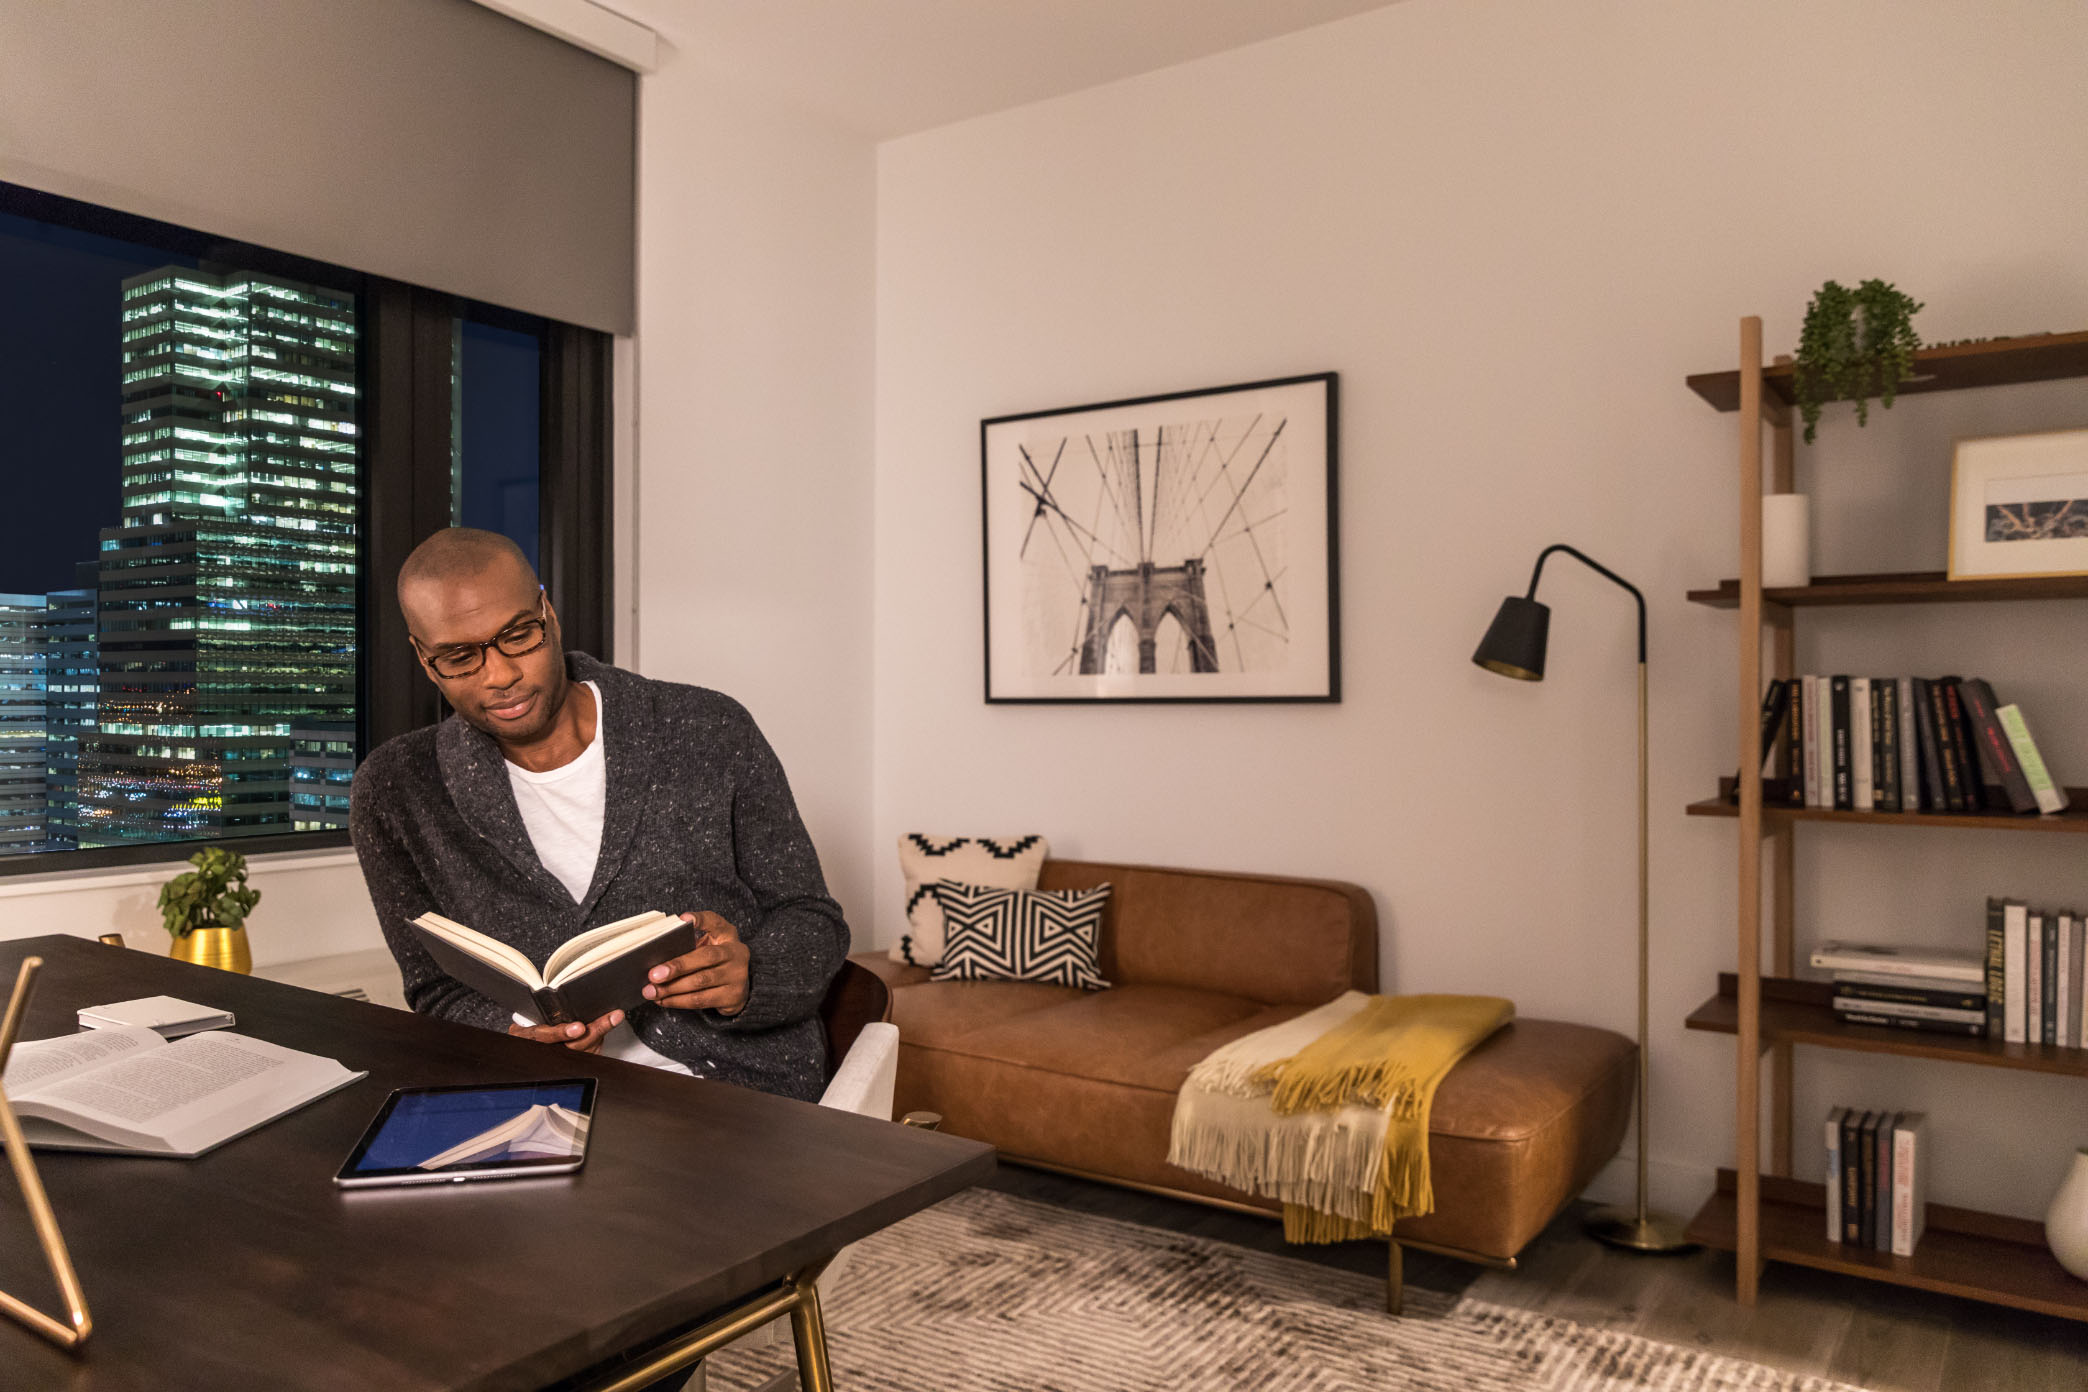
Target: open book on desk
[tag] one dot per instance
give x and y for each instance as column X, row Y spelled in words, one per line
column 600, row 970
column 128, row 1090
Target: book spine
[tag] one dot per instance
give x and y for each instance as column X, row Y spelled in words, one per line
column 2033, row 980
column 1831, row 956
column 2049, row 795
column 1881, row 1238
column 1901, row 1010
column 1970, row 771
column 1834, row 1172
column 2080, row 981
column 1929, row 757
column 1885, row 703
column 1863, row 747
column 1867, row 1182
column 1955, row 793
column 1996, row 978
column 1776, row 704
column 2015, row 928
column 1825, row 722
column 1852, row 1186
column 1809, row 737
column 2049, row 979
column 1910, row 749
column 551, row 1007
column 2063, row 1032
column 1865, row 1017
column 1939, row 997
column 1844, row 757
column 1996, row 753
column 1903, row 1162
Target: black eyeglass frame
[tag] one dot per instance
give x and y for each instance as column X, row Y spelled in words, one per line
column 542, row 621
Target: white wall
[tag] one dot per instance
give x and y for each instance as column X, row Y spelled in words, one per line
column 1513, row 229
column 753, row 406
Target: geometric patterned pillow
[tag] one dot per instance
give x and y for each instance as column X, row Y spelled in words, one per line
column 976, row 860
column 1049, row 935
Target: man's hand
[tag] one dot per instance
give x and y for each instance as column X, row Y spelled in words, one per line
column 713, row 977
column 586, row 1038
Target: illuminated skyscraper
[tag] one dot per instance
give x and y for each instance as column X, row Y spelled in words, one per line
column 72, row 674
column 21, row 723
column 227, row 594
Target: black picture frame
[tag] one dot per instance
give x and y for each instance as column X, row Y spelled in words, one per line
column 1255, row 612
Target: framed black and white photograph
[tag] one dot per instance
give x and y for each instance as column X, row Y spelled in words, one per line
column 2019, row 506
column 1169, row 548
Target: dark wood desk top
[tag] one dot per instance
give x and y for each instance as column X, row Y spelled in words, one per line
column 247, row 1268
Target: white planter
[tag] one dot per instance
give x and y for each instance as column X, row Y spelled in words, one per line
column 2066, row 1222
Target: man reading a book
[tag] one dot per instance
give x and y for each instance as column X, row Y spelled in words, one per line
column 564, row 794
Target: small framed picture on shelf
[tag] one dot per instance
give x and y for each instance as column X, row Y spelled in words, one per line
column 2019, row 506
column 1169, row 548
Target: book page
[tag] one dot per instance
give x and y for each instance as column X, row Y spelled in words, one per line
column 164, row 1092
column 493, row 952
column 576, row 954
column 38, row 1063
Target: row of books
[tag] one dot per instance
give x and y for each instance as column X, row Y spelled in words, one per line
column 1877, row 1179
column 1906, row 744
column 2029, row 985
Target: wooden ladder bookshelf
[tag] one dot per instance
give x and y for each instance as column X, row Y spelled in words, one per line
column 1772, row 1216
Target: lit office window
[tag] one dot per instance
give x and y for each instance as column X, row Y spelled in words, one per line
column 494, row 412
column 178, row 566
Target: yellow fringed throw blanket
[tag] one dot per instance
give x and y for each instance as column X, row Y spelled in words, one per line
column 1329, row 1112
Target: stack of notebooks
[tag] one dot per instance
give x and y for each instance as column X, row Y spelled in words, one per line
column 1937, row 991
column 1877, row 1179
column 1906, row 744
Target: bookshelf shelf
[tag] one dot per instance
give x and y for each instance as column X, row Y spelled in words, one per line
column 1801, row 1012
column 1982, row 1256
column 2000, row 362
column 1906, row 587
column 1763, row 1217
column 2074, row 820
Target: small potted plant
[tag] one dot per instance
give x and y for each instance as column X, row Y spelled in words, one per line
column 1856, row 344
column 206, row 910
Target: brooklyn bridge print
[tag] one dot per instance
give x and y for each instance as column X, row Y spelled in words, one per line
column 1173, row 548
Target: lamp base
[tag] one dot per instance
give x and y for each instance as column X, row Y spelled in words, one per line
column 1622, row 1227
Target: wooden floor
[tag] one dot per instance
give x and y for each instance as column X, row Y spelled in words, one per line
column 1858, row 1332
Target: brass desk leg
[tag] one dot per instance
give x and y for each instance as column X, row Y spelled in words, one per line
column 810, row 1332
column 1395, row 1278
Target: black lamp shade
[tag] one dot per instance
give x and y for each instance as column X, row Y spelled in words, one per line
column 1514, row 645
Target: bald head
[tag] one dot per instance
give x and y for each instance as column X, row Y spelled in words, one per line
column 460, row 554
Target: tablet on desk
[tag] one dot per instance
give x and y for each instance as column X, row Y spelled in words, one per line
column 447, row 1135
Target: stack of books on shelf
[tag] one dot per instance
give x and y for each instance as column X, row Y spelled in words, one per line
column 1877, row 1179
column 1940, row 992
column 1906, row 744
column 2034, row 975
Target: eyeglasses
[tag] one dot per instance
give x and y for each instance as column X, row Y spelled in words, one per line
column 516, row 640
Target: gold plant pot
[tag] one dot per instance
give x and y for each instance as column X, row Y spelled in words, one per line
column 225, row 948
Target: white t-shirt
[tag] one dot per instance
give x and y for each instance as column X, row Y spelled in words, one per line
column 562, row 811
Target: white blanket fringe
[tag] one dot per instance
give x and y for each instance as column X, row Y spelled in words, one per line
column 1224, row 1128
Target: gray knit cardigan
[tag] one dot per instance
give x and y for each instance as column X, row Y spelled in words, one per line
column 698, row 816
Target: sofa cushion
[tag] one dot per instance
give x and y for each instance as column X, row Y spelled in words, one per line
column 1043, row 935
column 1264, row 938
column 1008, row 863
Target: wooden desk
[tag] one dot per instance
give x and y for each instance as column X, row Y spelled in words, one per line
column 247, row 1268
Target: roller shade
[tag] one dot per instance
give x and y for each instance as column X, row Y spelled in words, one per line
column 430, row 141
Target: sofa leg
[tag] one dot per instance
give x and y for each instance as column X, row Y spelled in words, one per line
column 1395, row 1278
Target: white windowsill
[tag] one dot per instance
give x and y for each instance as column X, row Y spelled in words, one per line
column 60, row 881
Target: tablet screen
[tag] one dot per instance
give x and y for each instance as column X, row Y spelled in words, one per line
column 448, row 1130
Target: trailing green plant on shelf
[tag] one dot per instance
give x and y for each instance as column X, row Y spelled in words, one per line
column 1856, row 344
column 213, row 895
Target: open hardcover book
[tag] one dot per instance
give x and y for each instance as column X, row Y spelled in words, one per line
column 126, row 1089
column 601, row 970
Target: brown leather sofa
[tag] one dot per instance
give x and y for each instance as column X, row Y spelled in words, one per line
column 1085, row 1082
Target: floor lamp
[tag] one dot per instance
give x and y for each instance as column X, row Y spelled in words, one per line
column 1514, row 647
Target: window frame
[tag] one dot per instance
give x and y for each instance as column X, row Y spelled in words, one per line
column 403, row 365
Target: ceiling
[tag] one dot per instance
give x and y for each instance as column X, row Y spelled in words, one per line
column 892, row 67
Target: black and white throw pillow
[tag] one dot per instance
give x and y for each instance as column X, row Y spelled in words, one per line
column 1047, row 935
column 1012, row 862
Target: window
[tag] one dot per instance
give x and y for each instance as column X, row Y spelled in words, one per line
column 214, row 464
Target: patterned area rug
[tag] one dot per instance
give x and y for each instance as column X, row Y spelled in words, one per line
column 992, row 1293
